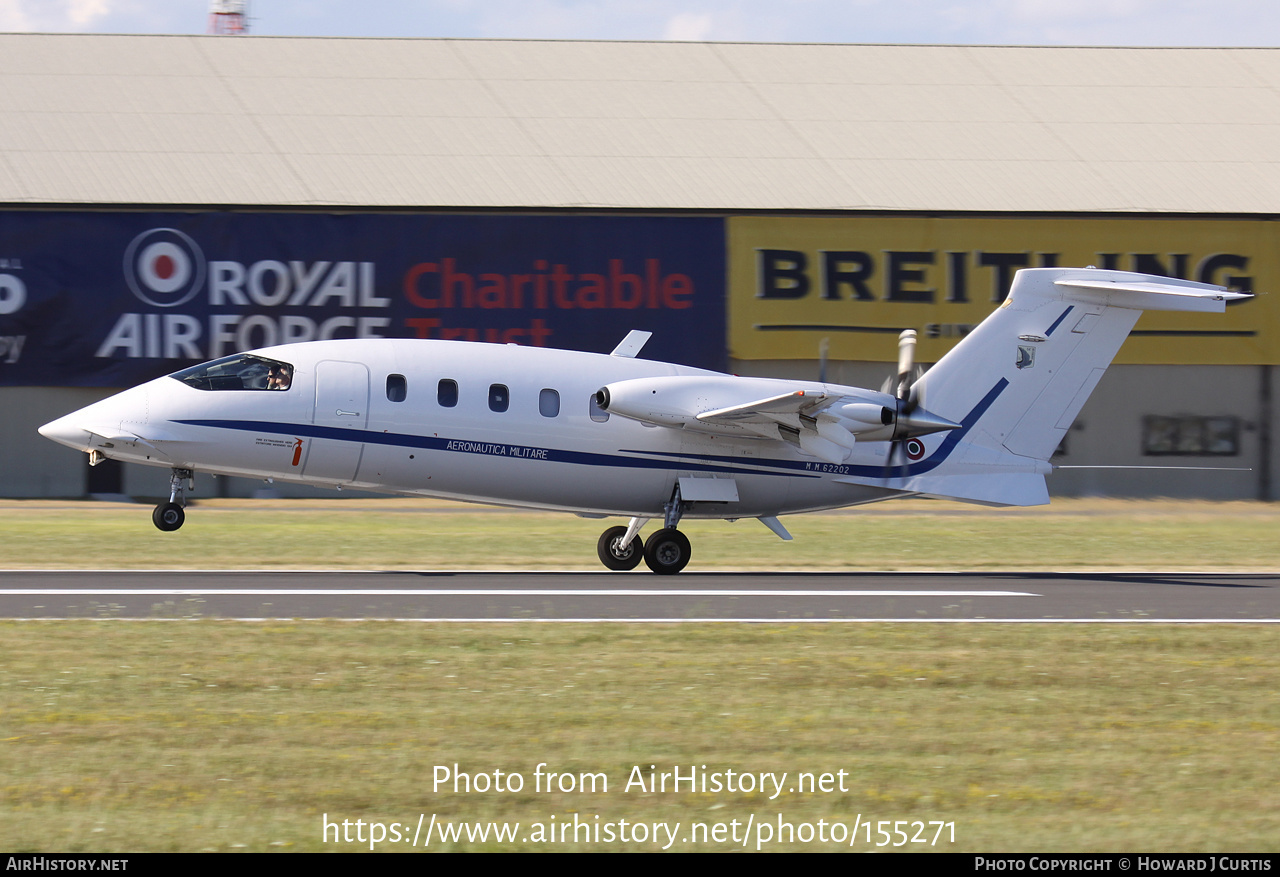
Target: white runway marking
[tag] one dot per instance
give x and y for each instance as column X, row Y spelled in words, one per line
column 286, row 618
column 479, row 592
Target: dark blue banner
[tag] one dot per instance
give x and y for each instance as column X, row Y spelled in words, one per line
column 113, row 299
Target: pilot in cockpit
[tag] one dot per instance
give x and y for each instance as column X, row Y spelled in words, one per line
column 279, row 377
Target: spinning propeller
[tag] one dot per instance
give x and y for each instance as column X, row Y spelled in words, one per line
column 911, row 419
column 899, row 452
column 900, row 425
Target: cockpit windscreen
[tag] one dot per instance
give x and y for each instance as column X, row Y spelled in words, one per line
column 241, row 371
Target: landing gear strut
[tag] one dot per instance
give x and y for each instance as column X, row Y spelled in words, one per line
column 169, row 516
column 666, row 552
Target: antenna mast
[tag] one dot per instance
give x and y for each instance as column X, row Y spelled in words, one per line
column 229, row 17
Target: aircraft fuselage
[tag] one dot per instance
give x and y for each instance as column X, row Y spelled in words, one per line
column 503, row 424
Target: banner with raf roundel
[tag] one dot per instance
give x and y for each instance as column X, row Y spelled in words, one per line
column 113, row 299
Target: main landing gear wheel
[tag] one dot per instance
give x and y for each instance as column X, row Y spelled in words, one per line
column 616, row 556
column 168, row 516
column 667, row 551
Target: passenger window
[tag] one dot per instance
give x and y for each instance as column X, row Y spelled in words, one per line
column 548, row 403
column 397, row 388
column 447, row 393
column 499, row 399
column 598, row 414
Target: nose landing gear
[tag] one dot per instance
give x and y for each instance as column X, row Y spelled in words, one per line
column 169, row 516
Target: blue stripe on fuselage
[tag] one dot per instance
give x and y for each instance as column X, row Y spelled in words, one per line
column 493, row 449
column 920, row 467
column 691, row 462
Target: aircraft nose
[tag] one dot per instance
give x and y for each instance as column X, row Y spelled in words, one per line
column 64, row 431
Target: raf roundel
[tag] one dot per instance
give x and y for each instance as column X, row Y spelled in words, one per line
column 164, row 267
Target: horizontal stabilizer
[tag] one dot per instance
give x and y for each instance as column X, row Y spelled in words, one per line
column 1154, row 294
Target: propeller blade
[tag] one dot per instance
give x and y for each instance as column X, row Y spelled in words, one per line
column 897, row 462
column 906, row 362
column 907, row 402
column 891, row 461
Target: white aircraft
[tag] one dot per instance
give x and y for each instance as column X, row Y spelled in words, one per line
column 603, row 435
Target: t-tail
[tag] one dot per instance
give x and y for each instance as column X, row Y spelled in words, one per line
column 1017, row 382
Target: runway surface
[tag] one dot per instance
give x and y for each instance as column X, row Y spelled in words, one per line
column 542, row 596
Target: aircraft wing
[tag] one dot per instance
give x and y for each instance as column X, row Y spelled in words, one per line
column 824, row 420
column 785, row 408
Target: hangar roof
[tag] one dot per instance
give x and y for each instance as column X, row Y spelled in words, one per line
column 394, row 123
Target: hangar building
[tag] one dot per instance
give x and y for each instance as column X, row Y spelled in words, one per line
column 169, row 199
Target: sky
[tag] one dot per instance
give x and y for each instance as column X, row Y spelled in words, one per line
column 968, row 22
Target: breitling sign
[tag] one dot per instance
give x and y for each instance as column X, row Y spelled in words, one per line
column 858, row 281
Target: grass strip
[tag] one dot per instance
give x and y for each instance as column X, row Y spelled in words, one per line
column 207, row 735
column 419, row 534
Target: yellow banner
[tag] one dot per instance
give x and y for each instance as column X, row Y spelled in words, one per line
column 858, row 281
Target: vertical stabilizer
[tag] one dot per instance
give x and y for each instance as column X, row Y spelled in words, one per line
column 1020, row 378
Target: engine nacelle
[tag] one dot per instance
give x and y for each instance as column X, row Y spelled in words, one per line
column 865, row 416
column 677, row 400
column 821, row 419
column 726, row 403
